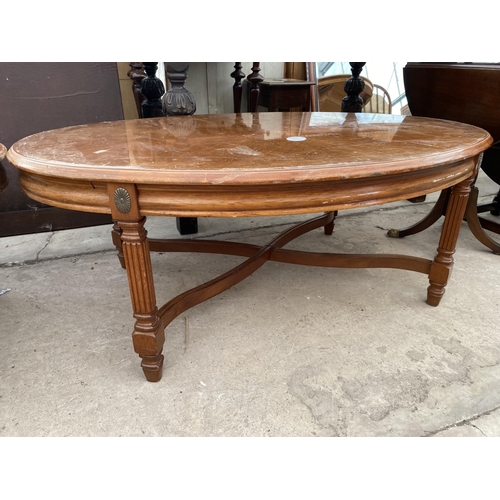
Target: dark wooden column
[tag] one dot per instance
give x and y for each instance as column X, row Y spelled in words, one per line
column 136, row 73
column 254, row 79
column 152, row 89
column 178, row 100
column 238, row 75
column 352, row 103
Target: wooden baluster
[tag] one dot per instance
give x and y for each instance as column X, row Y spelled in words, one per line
column 137, row 74
column 152, row 89
column 238, row 75
column 352, row 103
column 253, row 95
column 178, row 100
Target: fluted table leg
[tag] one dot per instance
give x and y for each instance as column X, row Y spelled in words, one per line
column 443, row 262
column 148, row 335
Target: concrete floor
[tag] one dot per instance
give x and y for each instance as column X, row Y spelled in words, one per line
column 290, row 351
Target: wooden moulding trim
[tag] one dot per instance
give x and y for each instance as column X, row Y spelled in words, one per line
column 84, row 196
column 241, row 201
column 297, row 198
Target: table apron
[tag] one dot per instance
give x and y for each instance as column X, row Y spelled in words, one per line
column 208, row 200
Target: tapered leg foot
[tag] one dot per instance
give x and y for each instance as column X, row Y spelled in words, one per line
column 152, row 366
column 436, row 289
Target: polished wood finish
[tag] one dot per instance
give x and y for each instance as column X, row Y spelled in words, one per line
column 249, row 164
column 286, row 94
column 468, row 93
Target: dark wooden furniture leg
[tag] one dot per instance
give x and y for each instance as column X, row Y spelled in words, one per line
column 477, row 225
column 433, row 216
column 253, row 95
column 237, row 75
column 352, row 103
column 178, row 100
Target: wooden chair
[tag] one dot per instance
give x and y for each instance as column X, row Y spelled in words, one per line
column 380, row 101
column 331, row 92
column 285, row 94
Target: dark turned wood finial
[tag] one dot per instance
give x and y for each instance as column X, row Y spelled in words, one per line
column 352, row 103
column 238, row 75
column 253, row 95
column 152, row 89
column 136, row 73
column 178, row 100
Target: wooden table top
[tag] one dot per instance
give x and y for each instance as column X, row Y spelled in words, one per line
column 275, row 153
column 243, row 148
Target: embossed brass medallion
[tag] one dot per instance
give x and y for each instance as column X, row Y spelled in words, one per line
column 122, row 200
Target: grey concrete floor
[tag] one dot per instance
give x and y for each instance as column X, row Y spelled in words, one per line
column 290, row 351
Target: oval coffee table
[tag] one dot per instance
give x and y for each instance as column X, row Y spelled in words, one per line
column 240, row 165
